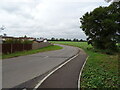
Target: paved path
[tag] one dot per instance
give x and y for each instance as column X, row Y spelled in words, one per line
column 68, row 75
column 21, row 69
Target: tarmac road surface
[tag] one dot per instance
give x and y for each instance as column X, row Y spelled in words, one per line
column 21, row 69
column 68, row 75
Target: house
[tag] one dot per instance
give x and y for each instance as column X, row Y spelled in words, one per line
column 26, row 38
column 40, row 40
column 4, row 38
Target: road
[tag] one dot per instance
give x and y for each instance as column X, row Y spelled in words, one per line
column 68, row 75
column 24, row 68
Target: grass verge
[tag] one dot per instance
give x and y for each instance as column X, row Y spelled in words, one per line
column 101, row 70
column 49, row 48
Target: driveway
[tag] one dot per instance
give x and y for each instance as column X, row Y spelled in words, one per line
column 24, row 68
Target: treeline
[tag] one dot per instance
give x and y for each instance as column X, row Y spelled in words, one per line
column 62, row 39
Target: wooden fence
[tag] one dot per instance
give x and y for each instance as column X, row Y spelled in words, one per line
column 11, row 48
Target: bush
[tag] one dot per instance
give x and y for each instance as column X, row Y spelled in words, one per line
column 27, row 42
column 17, row 41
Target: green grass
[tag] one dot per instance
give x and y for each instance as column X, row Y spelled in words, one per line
column 49, row 48
column 101, row 70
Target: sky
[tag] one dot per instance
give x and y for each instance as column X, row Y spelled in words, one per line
column 45, row 18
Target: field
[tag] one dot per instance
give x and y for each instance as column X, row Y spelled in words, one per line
column 101, row 70
column 49, row 48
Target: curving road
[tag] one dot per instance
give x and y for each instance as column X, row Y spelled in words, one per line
column 21, row 69
column 67, row 77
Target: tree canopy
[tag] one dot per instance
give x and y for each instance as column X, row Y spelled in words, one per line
column 102, row 26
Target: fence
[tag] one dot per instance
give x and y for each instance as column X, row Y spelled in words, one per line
column 40, row 45
column 11, row 48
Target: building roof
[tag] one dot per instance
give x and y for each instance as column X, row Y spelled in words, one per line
column 26, row 38
column 18, row 37
column 40, row 40
column 7, row 37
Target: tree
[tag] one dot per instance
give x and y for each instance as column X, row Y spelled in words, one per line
column 112, row 0
column 62, row 39
column 102, row 26
column 81, row 40
column 5, row 34
column 107, row 0
column 69, row 40
column 56, row 39
column 52, row 39
column 2, row 28
column 25, row 36
column 75, row 40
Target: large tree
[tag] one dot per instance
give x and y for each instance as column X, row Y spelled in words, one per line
column 102, row 26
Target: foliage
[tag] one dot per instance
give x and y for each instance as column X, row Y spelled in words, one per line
column 17, row 41
column 12, row 41
column 62, row 39
column 75, row 40
column 102, row 26
column 27, row 42
column 100, row 70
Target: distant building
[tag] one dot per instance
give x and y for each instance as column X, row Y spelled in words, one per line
column 4, row 38
column 26, row 38
column 41, row 40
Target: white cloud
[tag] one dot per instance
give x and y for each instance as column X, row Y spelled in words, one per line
column 45, row 18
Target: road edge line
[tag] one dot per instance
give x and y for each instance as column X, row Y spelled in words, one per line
column 81, row 73
column 36, row 87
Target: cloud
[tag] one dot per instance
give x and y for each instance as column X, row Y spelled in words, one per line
column 45, row 18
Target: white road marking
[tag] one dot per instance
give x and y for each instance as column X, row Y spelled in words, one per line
column 53, row 72
column 81, row 73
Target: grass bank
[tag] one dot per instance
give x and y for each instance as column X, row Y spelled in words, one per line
column 49, row 48
column 101, row 70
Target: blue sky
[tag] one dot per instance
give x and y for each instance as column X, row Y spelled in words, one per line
column 45, row 18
